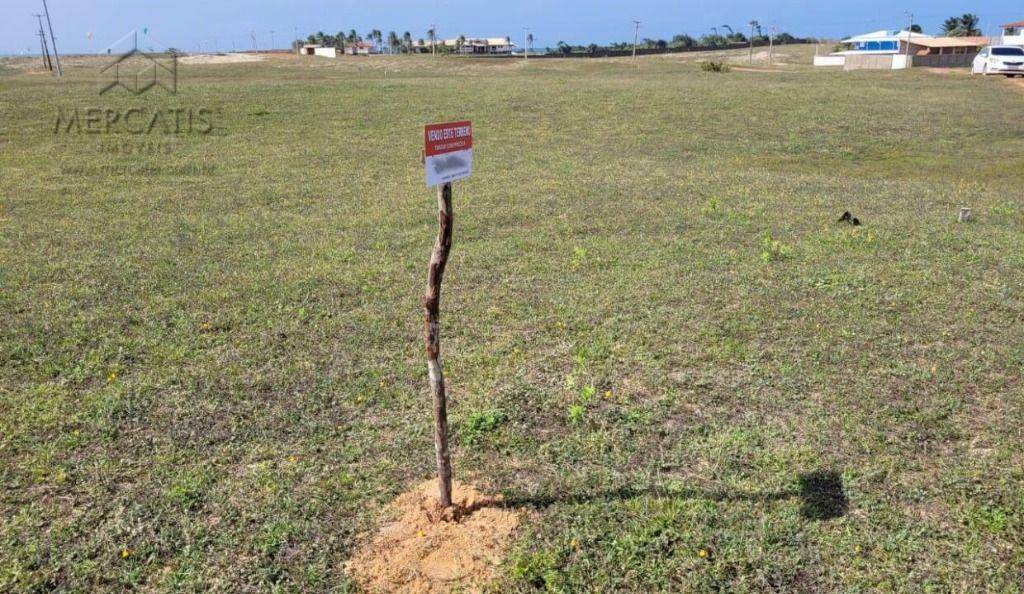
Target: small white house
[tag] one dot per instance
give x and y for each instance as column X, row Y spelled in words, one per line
column 885, row 50
column 1013, row 33
column 363, row 48
column 326, row 52
column 495, row 46
column 873, row 50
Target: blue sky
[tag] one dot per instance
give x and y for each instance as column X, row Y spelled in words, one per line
column 227, row 24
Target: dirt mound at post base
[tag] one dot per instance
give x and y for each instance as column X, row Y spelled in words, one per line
column 428, row 549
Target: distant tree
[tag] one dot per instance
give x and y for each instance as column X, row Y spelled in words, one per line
column 713, row 40
column 682, row 40
column 661, row 44
column 784, row 38
column 729, row 28
column 593, row 48
column 916, row 29
column 564, row 48
column 965, row 25
column 407, row 41
column 353, row 37
column 461, row 41
column 393, row 42
column 529, row 41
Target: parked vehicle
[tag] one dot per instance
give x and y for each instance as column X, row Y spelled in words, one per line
column 1007, row 60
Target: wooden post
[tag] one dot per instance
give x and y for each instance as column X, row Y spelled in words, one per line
column 432, row 334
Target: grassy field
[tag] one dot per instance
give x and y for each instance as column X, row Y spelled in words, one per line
column 656, row 335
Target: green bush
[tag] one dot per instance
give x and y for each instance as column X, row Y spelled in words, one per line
column 713, row 66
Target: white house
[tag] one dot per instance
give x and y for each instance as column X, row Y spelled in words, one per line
column 494, row 46
column 877, row 48
column 326, row 52
column 1013, row 33
column 902, row 49
column 481, row 45
column 363, row 48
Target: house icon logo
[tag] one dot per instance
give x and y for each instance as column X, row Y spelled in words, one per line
column 137, row 71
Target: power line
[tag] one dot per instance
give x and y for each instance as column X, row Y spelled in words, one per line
column 47, row 63
column 53, row 40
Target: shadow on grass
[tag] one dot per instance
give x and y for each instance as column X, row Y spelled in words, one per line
column 821, row 494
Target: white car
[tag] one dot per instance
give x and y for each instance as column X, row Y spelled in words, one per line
column 999, row 59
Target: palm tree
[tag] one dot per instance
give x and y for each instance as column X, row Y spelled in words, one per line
column 407, row 41
column 529, row 40
column 392, row 42
column 353, row 37
column 951, row 26
column 729, row 28
column 969, row 23
column 962, row 26
column 432, row 34
column 461, row 41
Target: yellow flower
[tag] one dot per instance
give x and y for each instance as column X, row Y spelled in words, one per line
column 124, row 553
column 608, row 394
column 76, row 432
column 702, row 553
column 111, row 377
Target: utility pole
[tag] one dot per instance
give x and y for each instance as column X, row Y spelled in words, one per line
column 271, row 39
column 295, row 38
column 47, row 63
column 751, row 59
column 771, row 44
column 526, row 43
column 906, row 63
column 53, row 40
column 252, row 34
column 433, row 40
column 636, row 36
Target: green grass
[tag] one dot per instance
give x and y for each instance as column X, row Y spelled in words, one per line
column 654, row 332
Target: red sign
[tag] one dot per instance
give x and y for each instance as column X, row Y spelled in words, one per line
column 448, row 151
column 448, row 138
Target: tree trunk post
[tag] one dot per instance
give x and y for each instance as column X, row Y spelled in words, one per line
column 432, row 334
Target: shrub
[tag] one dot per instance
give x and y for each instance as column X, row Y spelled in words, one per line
column 772, row 249
column 713, row 66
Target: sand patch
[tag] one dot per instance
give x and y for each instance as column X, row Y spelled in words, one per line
column 219, row 58
column 425, row 551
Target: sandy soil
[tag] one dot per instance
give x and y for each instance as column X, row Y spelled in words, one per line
column 219, row 58
column 424, row 551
